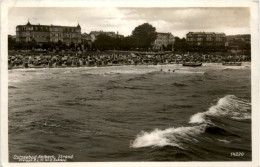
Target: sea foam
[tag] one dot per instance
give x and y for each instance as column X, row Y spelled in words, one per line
column 171, row 137
column 230, row 106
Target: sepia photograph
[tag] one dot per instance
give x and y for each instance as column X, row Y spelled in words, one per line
column 129, row 84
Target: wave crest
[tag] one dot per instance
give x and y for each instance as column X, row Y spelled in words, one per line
column 229, row 105
column 171, row 137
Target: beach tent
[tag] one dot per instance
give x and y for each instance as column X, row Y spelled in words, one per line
column 64, row 58
column 38, row 57
column 133, row 55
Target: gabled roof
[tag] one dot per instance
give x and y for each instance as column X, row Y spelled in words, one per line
column 28, row 24
column 102, row 32
column 202, row 33
column 35, row 25
column 164, row 33
column 78, row 26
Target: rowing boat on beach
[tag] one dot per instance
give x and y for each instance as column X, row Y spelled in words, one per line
column 232, row 64
column 192, row 64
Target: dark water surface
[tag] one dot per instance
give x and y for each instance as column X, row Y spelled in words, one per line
column 132, row 113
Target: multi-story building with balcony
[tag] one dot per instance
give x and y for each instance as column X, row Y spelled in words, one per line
column 48, row 33
column 163, row 40
column 206, row 39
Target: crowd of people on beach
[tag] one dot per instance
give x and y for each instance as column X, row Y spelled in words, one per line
column 115, row 59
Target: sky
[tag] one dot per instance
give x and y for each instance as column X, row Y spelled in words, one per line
column 178, row 21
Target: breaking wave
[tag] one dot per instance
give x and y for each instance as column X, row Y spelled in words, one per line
column 229, row 106
column 171, row 137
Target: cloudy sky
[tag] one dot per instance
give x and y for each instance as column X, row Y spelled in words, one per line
column 178, row 21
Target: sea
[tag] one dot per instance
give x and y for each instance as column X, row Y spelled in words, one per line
column 131, row 113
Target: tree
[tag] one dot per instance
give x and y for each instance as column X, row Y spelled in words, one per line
column 48, row 46
column 102, row 42
column 144, row 35
column 32, row 45
column 72, row 45
column 169, row 47
column 11, row 42
column 127, row 43
column 180, row 44
column 21, row 45
column 105, row 42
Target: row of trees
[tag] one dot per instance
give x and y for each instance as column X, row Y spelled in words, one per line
column 142, row 37
column 12, row 44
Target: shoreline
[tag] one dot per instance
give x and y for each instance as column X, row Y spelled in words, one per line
column 120, row 65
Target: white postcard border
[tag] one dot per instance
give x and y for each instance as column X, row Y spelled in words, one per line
column 6, row 5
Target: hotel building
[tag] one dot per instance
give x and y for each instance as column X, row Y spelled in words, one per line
column 206, row 39
column 48, row 33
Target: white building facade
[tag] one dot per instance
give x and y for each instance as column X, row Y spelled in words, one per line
column 163, row 40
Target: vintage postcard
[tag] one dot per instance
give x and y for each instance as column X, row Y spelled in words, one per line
column 122, row 83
